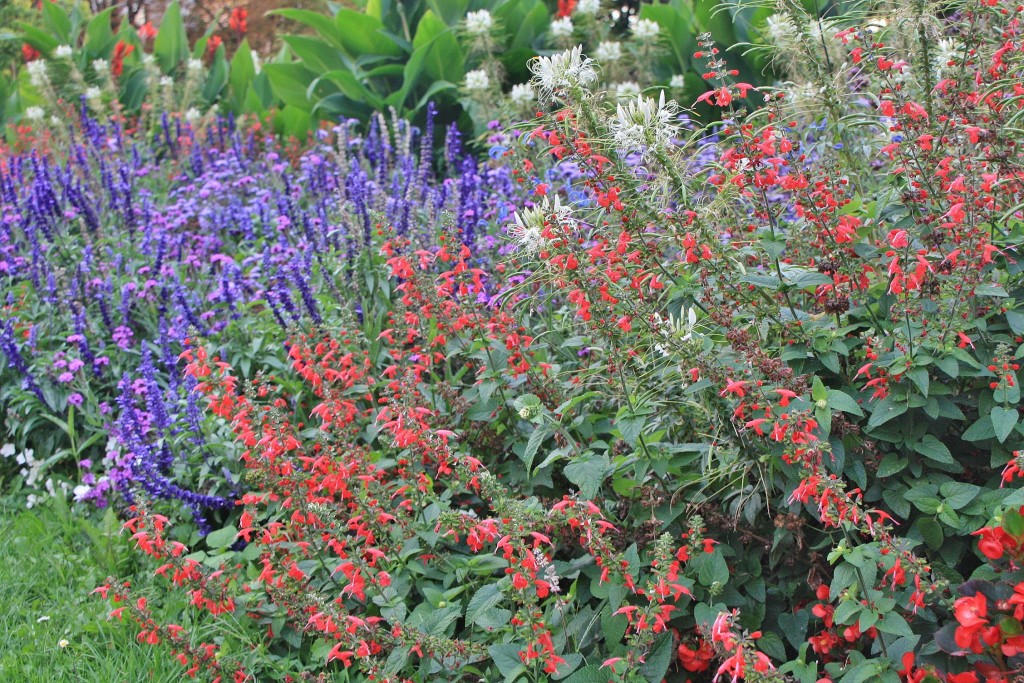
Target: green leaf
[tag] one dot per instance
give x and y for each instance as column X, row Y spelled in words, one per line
column 818, row 390
column 886, row 409
column 484, row 600
column 894, row 624
column 444, row 59
column 171, row 44
column 588, row 674
column 536, row 439
column 1016, row 321
column 222, row 538
column 843, row 402
column 931, row 532
column 99, row 38
column 1003, row 421
column 958, row 494
column 930, row 447
column 658, row 659
column 320, row 23
column 980, row 430
column 630, row 428
column 290, row 83
column 362, row 34
column 57, row 21
column 587, row 472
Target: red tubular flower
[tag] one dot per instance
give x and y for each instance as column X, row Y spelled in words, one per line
column 29, row 53
column 211, row 46
column 147, row 32
column 121, row 50
column 238, row 21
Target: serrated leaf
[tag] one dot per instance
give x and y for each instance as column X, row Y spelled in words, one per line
column 533, row 445
column 1003, row 421
column 485, row 599
column 587, row 472
column 930, row 447
column 843, row 402
column 885, row 410
column 931, row 531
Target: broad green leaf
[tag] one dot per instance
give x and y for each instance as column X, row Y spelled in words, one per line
column 1003, row 421
column 222, row 538
column 886, row 409
column 484, row 600
column 536, row 439
column 171, row 44
column 99, row 38
column 588, row 472
column 362, row 35
column 320, row 23
column 930, row 447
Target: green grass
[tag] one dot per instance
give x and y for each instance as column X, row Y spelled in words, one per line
column 51, row 560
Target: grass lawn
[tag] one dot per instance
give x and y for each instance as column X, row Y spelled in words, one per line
column 51, row 561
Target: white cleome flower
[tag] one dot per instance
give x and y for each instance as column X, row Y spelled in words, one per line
column 588, row 7
column 92, row 93
column 626, row 90
column 527, row 231
column 522, row 94
column 644, row 125
column 780, row 29
column 63, row 52
column 101, row 66
column 561, row 71
column 678, row 82
column 674, row 328
column 477, row 80
column 646, row 30
column 479, row 23
column 608, row 51
column 561, row 28
column 945, row 52
column 37, row 75
column 35, row 113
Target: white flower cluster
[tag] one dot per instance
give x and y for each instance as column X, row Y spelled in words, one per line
column 101, row 67
column 674, row 328
column 645, row 30
column 645, row 125
column 35, row 113
column 588, row 7
column 626, row 90
column 63, row 52
column 561, row 28
column 477, row 80
column 562, row 71
column 31, row 470
column 479, row 23
column 780, row 29
column 37, row 74
column 522, row 94
column 608, row 51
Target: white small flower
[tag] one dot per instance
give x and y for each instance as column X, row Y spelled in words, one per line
column 195, row 66
column 63, row 52
column 562, row 71
column 148, row 59
column 166, row 82
column 63, row 643
column 522, row 94
column 945, row 52
column 678, row 82
column 674, row 328
column 7, row 450
column 80, row 492
column 100, row 66
column 645, row 125
column 55, row 120
column 626, row 90
column 37, row 75
column 479, row 23
column 527, row 231
column 42, row 619
column 608, row 51
column 588, row 7
column 561, row 28
column 192, row 115
column 35, row 113
column 92, row 93
column 646, row 30
column 477, row 80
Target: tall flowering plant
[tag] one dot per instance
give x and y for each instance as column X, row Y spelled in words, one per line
column 732, row 408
